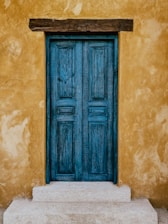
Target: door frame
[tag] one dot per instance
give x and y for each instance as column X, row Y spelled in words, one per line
column 95, row 36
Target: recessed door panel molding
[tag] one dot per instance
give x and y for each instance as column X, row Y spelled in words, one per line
column 97, row 71
column 66, row 84
column 65, row 147
column 97, row 148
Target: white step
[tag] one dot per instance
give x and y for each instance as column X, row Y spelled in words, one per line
column 30, row 212
column 82, row 192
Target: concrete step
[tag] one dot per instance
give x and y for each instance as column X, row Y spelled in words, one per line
column 82, row 192
column 31, row 212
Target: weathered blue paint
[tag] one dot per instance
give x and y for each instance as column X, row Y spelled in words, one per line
column 82, row 107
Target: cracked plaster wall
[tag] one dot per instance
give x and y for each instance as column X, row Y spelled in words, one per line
column 143, row 93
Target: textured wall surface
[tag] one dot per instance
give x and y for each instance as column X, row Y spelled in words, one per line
column 143, row 93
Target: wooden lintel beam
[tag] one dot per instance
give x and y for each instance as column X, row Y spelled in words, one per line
column 81, row 25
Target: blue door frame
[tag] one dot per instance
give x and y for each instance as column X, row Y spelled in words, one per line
column 63, row 111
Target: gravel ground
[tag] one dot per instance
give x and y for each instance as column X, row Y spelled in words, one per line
column 162, row 214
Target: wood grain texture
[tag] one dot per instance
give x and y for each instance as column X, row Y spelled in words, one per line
column 81, row 25
column 65, row 149
column 97, row 110
column 97, row 148
column 65, row 120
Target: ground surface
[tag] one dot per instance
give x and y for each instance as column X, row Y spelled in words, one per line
column 162, row 214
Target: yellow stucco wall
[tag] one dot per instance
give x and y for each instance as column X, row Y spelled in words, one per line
column 143, row 93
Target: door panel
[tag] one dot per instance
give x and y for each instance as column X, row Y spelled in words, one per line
column 97, row 148
column 97, row 115
column 97, row 70
column 65, row 148
column 66, row 98
column 81, row 80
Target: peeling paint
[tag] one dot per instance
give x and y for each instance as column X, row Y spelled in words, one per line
column 41, row 104
column 7, row 3
column 67, row 5
column 14, row 134
column 77, row 9
column 149, row 168
column 162, row 119
column 14, row 48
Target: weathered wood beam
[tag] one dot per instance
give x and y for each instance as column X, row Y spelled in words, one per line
column 81, row 25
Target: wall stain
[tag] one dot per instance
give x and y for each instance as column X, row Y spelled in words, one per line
column 161, row 120
column 75, row 7
column 15, row 129
column 14, row 48
column 7, row 3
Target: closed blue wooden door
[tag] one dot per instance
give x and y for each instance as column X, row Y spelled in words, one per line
column 82, row 108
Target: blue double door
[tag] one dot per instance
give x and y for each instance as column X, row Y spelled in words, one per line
column 82, row 108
